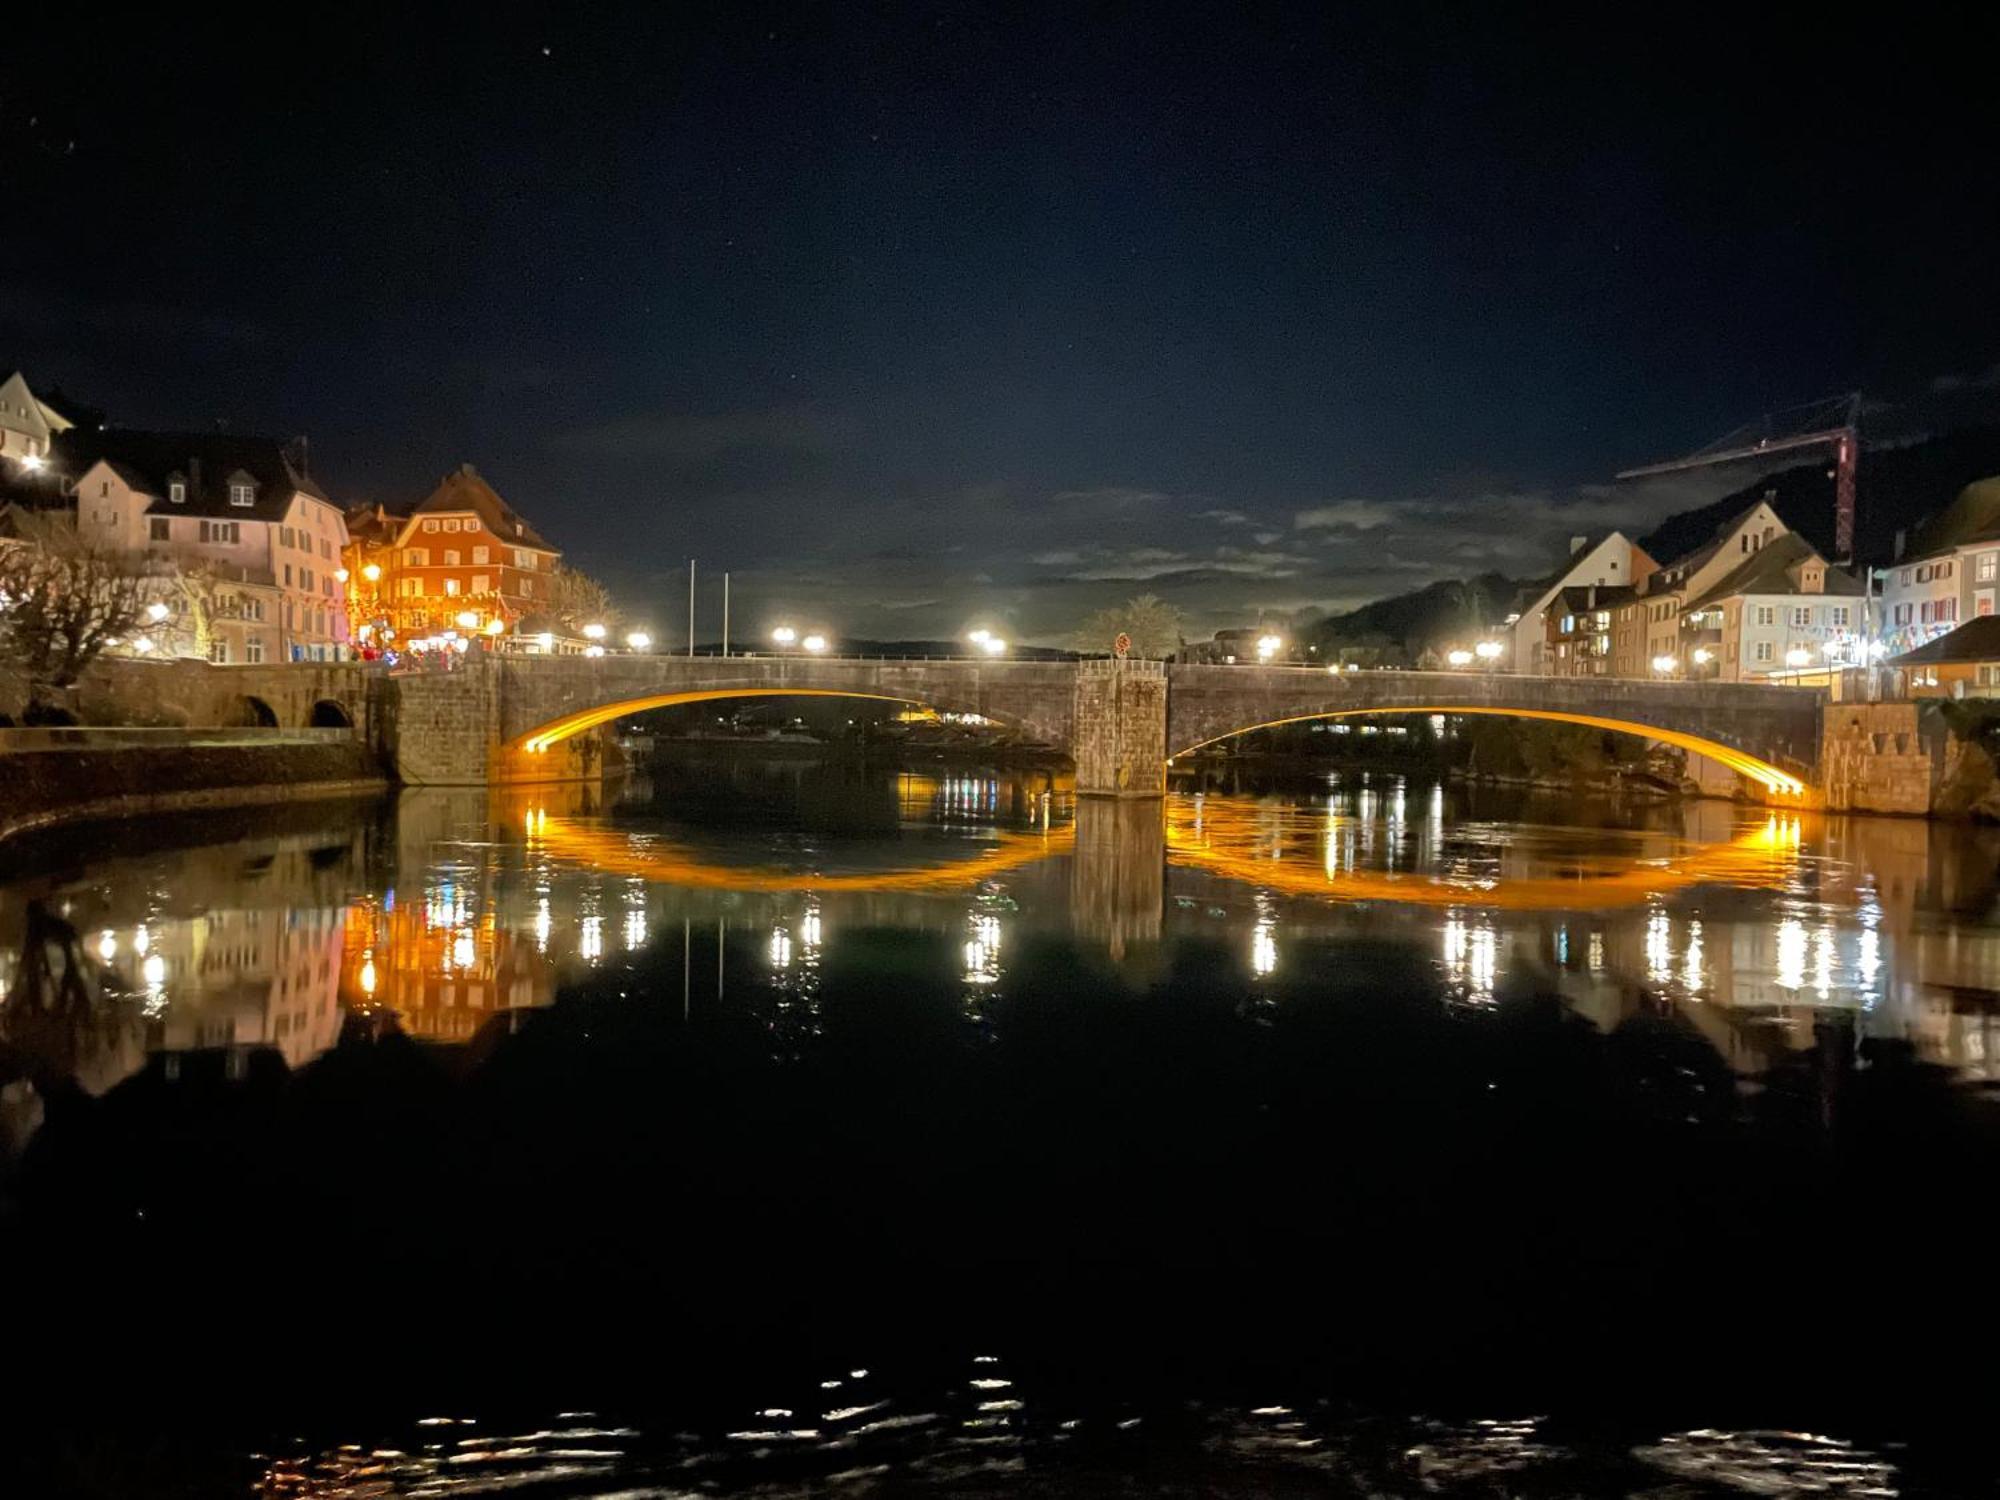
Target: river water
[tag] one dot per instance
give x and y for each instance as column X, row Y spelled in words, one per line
column 775, row 1126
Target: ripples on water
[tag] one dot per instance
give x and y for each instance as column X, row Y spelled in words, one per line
column 537, row 1096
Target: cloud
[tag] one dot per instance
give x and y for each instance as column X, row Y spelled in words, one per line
column 1350, row 515
column 1224, row 517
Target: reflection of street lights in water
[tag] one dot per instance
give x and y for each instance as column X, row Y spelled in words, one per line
column 1264, row 948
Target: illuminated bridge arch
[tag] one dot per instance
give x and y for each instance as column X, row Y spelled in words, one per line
column 542, row 738
column 1773, row 778
column 1768, row 735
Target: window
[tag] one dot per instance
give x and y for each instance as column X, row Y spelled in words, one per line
column 1767, row 614
column 1987, row 566
column 253, row 649
column 479, row 556
column 451, row 525
column 433, row 526
column 1764, row 650
column 527, row 588
column 177, row 492
column 221, row 531
column 306, row 579
column 524, row 559
column 158, row 528
column 218, row 651
column 253, row 609
column 481, row 584
column 1924, row 613
column 288, row 575
column 241, row 494
column 1944, row 570
column 1802, row 617
column 451, row 557
column 1839, row 617
column 1983, row 605
column 1569, row 624
column 325, row 550
column 1947, row 609
column 284, row 536
column 451, row 588
column 416, row 557
column 410, row 588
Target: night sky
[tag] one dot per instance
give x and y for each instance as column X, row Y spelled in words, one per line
column 921, row 317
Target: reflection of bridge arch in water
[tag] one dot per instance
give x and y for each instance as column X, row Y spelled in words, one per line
column 1779, row 782
column 616, row 853
column 1231, row 842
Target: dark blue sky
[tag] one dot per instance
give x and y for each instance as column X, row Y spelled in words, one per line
column 916, row 317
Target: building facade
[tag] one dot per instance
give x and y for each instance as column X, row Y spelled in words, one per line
column 462, row 560
column 1951, row 575
column 1611, row 563
column 1646, row 633
column 248, row 547
column 28, row 426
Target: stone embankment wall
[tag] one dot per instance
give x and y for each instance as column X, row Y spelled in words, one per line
column 1883, row 758
column 165, row 770
column 196, row 695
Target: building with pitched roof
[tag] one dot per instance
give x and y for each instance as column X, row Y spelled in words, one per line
column 1781, row 612
column 1964, row 662
column 1612, row 562
column 1646, row 630
column 240, row 512
column 28, row 425
column 462, row 559
column 1950, row 573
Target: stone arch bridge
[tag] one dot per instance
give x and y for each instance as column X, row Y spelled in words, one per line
column 536, row 718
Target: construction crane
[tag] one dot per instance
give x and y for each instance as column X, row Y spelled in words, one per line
column 1834, row 422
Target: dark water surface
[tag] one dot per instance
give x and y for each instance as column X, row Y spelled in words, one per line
column 803, row 1126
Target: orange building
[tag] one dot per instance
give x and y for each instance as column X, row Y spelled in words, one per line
column 462, row 560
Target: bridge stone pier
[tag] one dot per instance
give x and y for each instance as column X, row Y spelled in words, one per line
column 536, row 718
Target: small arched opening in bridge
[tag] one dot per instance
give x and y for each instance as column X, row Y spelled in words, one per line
column 1772, row 778
column 329, row 714
column 256, row 713
column 538, row 740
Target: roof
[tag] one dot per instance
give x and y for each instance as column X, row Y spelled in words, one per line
column 374, row 525
column 1973, row 516
column 205, row 461
column 1690, row 562
column 1978, row 639
column 1579, row 596
column 1774, row 569
column 463, row 490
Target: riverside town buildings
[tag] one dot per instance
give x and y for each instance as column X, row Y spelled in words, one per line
column 462, row 560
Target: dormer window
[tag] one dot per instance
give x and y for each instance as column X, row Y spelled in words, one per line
column 242, row 494
column 177, row 491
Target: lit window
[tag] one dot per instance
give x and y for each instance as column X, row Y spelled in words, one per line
column 430, row 525
column 177, row 492
column 451, row 588
column 451, row 557
column 481, row 583
column 1987, row 566
column 479, row 556
column 417, row 557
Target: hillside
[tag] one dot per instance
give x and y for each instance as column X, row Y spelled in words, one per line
column 1450, row 612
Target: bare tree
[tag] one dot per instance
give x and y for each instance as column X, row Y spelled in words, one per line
column 61, row 603
column 1153, row 624
column 576, row 600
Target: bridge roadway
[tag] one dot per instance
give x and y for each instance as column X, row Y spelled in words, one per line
column 531, row 718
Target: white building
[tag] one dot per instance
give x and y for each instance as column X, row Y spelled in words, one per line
column 1951, row 574
column 240, row 509
column 1781, row 613
column 27, row 424
column 1612, row 562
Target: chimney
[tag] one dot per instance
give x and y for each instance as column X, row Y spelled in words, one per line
column 1590, row 599
column 1577, row 544
column 1901, row 536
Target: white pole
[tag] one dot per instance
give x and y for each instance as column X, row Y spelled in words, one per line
column 690, row 606
column 725, row 614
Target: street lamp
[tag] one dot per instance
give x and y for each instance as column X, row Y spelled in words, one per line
column 638, row 640
column 1269, row 646
column 467, row 619
column 1664, row 665
column 1488, row 650
column 814, row 643
column 784, row 635
column 1458, row 658
column 593, row 632
column 373, row 572
column 988, row 642
column 1703, row 656
column 1798, row 656
column 156, row 611
column 495, row 625
column 340, row 575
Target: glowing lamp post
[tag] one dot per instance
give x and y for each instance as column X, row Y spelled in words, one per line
column 814, row 643
column 1703, row 656
column 593, row 632
column 784, row 636
column 988, row 642
column 1665, row 665
column 1798, row 656
column 638, row 640
column 373, row 572
column 1458, row 659
column 1488, row 651
column 1268, row 646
